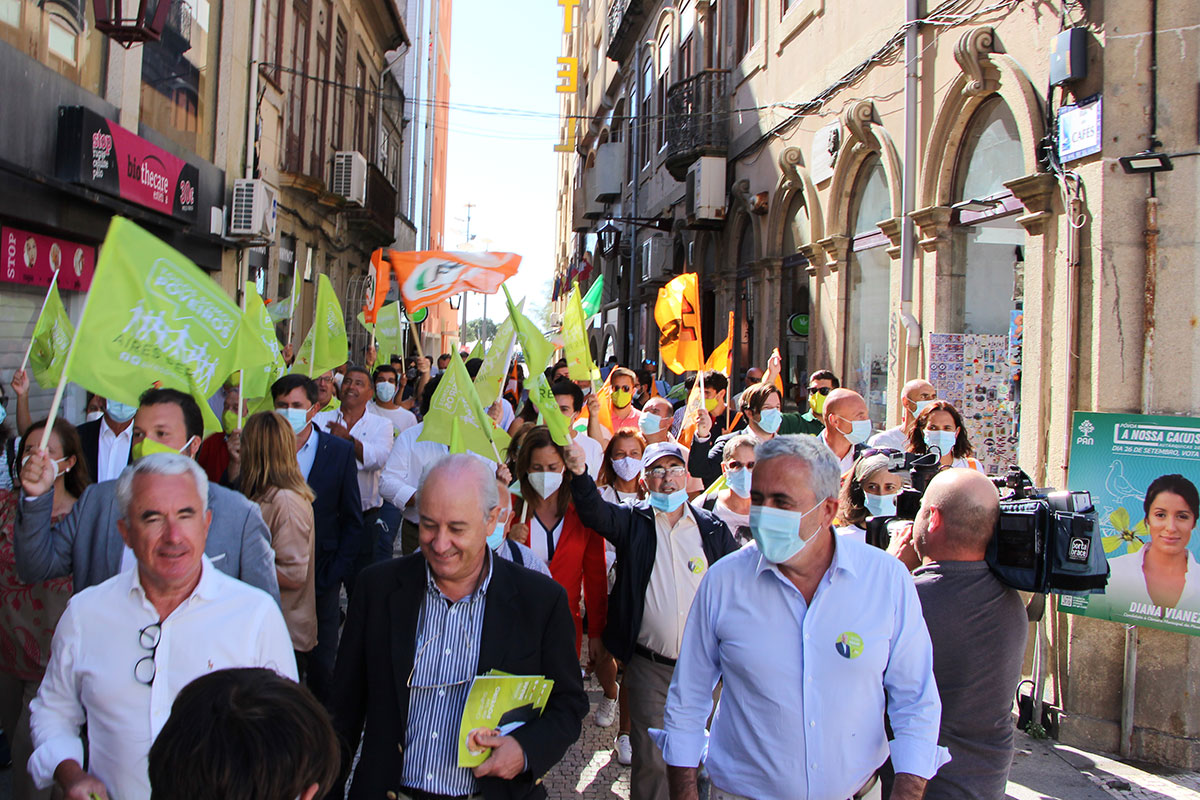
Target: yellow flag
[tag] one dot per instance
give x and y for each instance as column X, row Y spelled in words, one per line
column 677, row 313
column 722, row 357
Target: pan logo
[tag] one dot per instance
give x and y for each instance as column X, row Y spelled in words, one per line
column 1085, row 429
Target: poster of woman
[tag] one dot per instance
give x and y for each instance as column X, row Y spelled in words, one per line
column 1142, row 472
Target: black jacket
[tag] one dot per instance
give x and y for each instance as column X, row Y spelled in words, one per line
column 89, row 436
column 704, row 457
column 527, row 630
column 631, row 530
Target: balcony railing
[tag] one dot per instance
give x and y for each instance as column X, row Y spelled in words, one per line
column 697, row 119
column 624, row 21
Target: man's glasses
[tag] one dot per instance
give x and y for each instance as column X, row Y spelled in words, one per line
column 820, row 389
column 663, row 472
column 148, row 638
column 416, row 660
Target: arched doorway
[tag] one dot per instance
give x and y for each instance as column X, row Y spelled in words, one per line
column 868, row 284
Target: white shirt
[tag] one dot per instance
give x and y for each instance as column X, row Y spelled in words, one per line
column 537, row 538
column 224, row 623
column 1127, row 583
column 893, row 438
column 401, row 418
column 846, row 461
column 852, row 532
column 376, row 435
column 112, row 451
column 406, row 464
column 679, row 565
column 805, row 686
column 593, row 452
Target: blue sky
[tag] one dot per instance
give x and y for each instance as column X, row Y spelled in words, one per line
column 502, row 55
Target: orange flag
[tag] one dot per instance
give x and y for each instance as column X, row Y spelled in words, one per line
column 378, row 283
column 677, row 313
column 604, row 395
column 721, row 359
column 429, row 276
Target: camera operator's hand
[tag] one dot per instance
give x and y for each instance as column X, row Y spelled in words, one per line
column 901, row 546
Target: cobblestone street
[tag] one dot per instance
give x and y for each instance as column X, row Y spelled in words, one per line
column 590, row 768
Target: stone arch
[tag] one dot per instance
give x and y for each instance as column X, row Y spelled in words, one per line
column 983, row 74
column 794, row 179
column 865, row 136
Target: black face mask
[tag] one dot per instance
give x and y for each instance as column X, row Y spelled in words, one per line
column 411, row 373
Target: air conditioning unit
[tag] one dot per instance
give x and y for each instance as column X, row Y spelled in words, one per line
column 656, row 254
column 609, row 172
column 254, row 209
column 705, row 195
column 350, row 176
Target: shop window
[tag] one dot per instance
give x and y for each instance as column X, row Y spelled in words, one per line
column 10, row 12
column 868, row 303
column 991, row 153
column 61, row 38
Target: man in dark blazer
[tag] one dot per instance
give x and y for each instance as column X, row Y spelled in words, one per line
column 114, row 426
column 480, row 613
column 329, row 466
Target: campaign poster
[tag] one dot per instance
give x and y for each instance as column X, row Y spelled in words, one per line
column 1142, row 472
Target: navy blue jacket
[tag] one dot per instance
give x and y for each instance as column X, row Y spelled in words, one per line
column 337, row 511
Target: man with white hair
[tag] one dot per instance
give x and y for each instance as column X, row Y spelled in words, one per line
column 818, row 634
column 125, row 647
column 418, row 631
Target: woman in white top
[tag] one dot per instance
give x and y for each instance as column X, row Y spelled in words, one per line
column 871, row 491
column 939, row 429
column 731, row 503
column 620, row 474
column 1164, row 573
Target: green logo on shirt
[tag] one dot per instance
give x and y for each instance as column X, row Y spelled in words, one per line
column 849, row 645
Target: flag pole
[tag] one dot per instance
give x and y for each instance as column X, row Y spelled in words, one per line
column 45, row 300
column 292, row 300
column 62, row 380
column 313, row 327
column 242, row 371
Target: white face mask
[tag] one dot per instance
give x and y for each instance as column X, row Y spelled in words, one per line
column 627, row 468
column 338, row 378
column 921, row 405
column 56, row 461
column 545, row 483
column 880, row 505
column 860, row 431
column 92, row 416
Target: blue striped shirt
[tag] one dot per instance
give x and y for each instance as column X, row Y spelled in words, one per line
column 446, row 660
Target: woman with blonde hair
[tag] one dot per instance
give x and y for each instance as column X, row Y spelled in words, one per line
column 271, row 477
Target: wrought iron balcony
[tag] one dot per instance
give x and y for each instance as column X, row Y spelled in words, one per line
column 697, row 120
column 624, row 21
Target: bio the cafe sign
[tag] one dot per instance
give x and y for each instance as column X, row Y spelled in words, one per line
column 568, row 72
column 100, row 154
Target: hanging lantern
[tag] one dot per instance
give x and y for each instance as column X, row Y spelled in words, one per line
column 130, row 22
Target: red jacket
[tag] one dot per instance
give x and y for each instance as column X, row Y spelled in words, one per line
column 578, row 566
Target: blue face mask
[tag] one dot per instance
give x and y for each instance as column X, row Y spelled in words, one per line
column 385, row 391
column 880, row 505
column 739, row 481
column 650, row 424
column 120, row 411
column 777, row 532
column 941, row 441
column 296, row 417
column 496, row 537
column 661, row 501
column 770, row 419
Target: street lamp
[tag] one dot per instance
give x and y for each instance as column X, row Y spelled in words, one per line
column 1147, row 162
column 119, row 22
column 609, row 236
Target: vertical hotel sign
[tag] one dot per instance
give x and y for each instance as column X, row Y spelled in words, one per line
column 568, row 73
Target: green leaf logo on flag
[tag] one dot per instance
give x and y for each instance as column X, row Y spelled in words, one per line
column 537, row 350
column 153, row 318
column 52, row 337
column 325, row 347
column 456, row 417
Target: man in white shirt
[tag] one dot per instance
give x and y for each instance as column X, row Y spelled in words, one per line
column 106, row 441
column 125, row 647
column 916, row 395
column 387, row 396
column 846, row 425
column 655, row 424
column 818, row 634
column 569, row 397
column 371, row 436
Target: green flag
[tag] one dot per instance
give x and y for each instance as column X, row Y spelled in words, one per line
column 52, row 337
column 387, row 329
column 537, row 350
column 153, row 317
column 489, row 381
column 477, row 351
column 325, row 347
column 259, row 357
column 282, row 309
column 552, row 417
column 591, row 301
column 456, row 417
column 575, row 341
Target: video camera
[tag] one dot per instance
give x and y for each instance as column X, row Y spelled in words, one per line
column 1045, row 542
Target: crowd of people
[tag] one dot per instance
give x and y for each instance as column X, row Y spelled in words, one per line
column 297, row 605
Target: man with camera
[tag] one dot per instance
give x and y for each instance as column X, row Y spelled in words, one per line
column 978, row 627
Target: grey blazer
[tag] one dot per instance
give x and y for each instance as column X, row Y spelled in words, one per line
column 86, row 544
